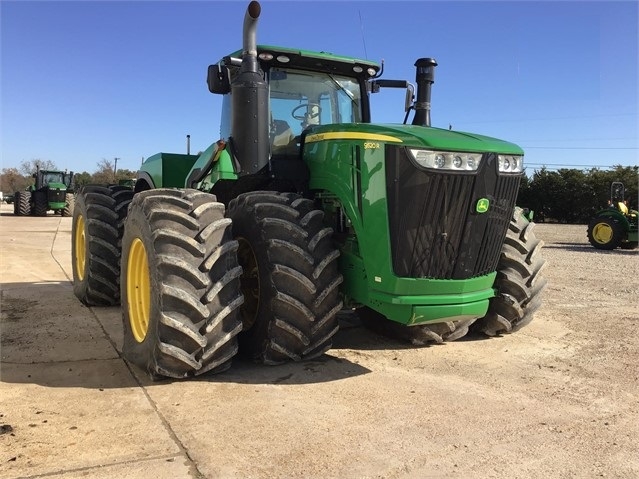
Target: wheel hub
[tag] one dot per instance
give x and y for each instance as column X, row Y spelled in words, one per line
column 602, row 233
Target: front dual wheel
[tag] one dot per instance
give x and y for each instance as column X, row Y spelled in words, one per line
column 290, row 277
column 180, row 284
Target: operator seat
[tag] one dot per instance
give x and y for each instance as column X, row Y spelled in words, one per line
column 622, row 208
column 282, row 136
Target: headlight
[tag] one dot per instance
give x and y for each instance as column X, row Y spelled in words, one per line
column 446, row 160
column 510, row 163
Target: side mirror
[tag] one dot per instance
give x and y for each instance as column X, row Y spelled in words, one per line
column 410, row 90
column 218, row 79
column 410, row 97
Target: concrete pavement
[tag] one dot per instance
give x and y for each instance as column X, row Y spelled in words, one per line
column 70, row 406
column 531, row 404
column 73, row 406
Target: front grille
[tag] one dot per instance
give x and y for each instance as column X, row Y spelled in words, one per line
column 435, row 230
column 56, row 196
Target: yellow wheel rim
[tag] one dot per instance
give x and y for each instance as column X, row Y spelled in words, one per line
column 80, row 248
column 602, row 233
column 138, row 289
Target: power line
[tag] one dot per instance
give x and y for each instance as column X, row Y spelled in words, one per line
column 581, row 147
column 576, row 117
column 575, row 166
column 564, row 139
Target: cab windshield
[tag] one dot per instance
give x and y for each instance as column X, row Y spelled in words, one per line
column 52, row 177
column 299, row 99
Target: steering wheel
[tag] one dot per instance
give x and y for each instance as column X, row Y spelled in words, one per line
column 306, row 116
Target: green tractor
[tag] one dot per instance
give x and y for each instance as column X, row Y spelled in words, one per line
column 53, row 190
column 303, row 209
column 615, row 226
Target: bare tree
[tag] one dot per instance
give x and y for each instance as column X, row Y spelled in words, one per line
column 11, row 180
column 104, row 173
column 29, row 167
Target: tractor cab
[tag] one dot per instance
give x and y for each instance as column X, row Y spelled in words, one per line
column 301, row 89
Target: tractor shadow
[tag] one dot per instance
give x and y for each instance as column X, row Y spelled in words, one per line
column 48, row 338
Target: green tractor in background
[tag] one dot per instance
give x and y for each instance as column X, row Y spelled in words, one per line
column 304, row 208
column 53, row 190
column 615, row 226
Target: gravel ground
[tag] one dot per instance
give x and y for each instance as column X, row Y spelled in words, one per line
column 557, row 399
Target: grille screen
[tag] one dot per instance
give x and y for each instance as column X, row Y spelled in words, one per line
column 435, row 231
column 56, row 196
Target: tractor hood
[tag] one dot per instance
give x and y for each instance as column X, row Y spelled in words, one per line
column 415, row 137
column 57, row 186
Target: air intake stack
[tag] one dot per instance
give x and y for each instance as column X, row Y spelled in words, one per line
column 425, row 77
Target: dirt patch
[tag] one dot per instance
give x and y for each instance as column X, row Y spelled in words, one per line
column 14, row 309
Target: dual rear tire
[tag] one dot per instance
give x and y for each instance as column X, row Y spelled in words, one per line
column 173, row 257
column 180, row 284
column 22, row 203
column 97, row 228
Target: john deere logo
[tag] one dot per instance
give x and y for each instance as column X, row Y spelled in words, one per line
column 482, row 205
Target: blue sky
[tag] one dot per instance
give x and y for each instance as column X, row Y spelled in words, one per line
column 87, row 80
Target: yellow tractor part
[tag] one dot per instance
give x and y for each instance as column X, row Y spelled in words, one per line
column 138, row 290
column 602, row 233
column 80, row 248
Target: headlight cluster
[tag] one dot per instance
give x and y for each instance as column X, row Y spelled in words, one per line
column 510, row 163
column 446, row 160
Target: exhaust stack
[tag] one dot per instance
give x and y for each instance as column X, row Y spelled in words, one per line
column 250, row 125
column 425, row 77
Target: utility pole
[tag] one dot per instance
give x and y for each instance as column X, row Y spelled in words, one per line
column 115, row 170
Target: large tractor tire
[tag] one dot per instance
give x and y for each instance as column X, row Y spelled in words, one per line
column 180, row 284
column 519, row 281
column 290, row 280
column 22, row 203
column 40, row 203
column 98, row 221
column 69, row 205
column 605, row 233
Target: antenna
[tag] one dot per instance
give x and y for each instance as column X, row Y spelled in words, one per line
column 361, row 26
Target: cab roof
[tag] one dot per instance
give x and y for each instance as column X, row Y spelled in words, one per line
column 270, row 55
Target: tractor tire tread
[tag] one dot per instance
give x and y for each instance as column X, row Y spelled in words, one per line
column 40, row 204
column 198, row 296
column 69, row 204
column 519, row 281
column 300, row 263
column 22, row 203
column 103, row 209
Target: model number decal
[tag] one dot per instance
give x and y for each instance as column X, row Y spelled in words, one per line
column 370, row 145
